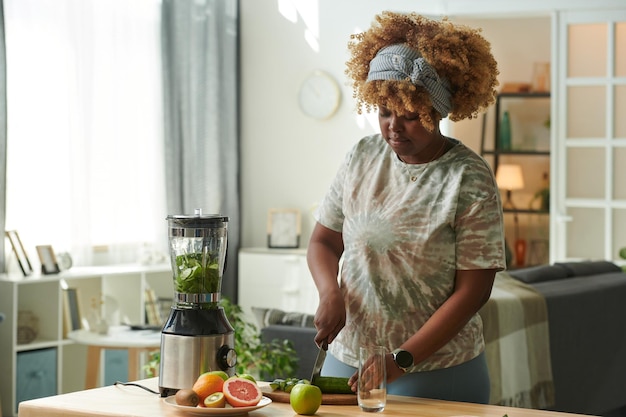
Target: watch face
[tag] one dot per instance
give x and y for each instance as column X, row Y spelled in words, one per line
column 404, row 359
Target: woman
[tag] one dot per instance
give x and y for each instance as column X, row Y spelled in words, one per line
column 414, row 216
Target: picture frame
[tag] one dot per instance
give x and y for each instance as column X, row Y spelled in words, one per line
column 20, row 252
column 49, row 264
column 72, row 317
column 283, row 228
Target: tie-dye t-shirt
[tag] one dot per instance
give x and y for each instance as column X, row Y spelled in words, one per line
column 406, row 230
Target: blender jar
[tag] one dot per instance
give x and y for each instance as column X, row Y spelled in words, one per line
column 198, row 253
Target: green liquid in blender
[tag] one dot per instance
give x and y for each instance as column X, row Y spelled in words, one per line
column 194, row 277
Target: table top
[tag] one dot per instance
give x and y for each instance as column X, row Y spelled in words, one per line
column 117, row 400
column 118, row 337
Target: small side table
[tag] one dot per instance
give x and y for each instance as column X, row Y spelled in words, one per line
column 119, row 337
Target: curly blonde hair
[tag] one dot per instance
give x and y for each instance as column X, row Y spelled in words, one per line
column 458, row 53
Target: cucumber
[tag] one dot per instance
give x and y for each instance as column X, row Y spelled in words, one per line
column 332, row 385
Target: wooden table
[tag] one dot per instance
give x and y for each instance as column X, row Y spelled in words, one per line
column 132, row 401
column 119, row 337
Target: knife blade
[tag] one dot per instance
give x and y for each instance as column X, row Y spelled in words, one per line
column 319, row 362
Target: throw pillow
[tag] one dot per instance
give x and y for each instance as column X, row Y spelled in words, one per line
column 540, row 273
column 269, row 316
column 586, row 268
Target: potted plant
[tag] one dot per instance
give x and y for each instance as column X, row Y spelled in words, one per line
column 254, row 357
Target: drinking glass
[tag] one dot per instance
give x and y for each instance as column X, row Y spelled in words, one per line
column 372, row 392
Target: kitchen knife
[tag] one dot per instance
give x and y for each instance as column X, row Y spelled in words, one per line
column 319, row 362
column 328, row 384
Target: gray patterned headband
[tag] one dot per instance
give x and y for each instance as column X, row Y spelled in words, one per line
column 400, row 62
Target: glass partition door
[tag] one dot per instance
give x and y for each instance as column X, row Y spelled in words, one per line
column 589, row 219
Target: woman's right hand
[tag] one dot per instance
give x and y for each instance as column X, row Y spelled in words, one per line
column 330, row 317
column 325, row 250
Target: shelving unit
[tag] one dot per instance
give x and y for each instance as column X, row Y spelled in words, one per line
column 530, row 148
column 524, row 122
column 51, row 364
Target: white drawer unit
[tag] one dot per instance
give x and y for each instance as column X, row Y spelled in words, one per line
column 275, row 278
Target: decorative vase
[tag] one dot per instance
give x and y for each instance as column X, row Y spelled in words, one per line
column 508, row 254
column 505, row 132
column 541, row 77
column 543, row 195
column 27, row 326
column 97, row 323
column 520, row 252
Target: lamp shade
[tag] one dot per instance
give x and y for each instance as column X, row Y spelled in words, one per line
column 509, row 177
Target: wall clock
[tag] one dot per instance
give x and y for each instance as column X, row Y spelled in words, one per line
column 319, row 95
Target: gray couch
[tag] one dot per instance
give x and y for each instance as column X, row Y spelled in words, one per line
column 586, row 304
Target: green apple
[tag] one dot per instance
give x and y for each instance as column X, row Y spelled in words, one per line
column 305, row 399
column 222, row 374
column 248, row 377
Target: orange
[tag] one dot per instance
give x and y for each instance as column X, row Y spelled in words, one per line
column 208, row 383
column 241, row 392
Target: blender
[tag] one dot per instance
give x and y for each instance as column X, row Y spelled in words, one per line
column 197, row 336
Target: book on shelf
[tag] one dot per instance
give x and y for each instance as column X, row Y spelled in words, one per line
column 153, row 314
column 72, row 317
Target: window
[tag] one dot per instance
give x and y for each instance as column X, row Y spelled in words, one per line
column 85, row 154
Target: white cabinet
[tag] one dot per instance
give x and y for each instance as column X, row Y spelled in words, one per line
column 51, row 364
column 276, row 278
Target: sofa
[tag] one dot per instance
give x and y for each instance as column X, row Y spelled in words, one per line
column 586, row 304
column 585, row 334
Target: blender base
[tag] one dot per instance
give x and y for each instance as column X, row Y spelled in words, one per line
column 194, row 341
column 167, row 392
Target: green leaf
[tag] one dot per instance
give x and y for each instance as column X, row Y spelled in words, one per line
column 197, row 273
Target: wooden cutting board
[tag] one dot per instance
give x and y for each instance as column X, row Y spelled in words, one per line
column 334, row 399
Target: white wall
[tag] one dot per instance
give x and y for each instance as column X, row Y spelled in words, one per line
column 288, row 160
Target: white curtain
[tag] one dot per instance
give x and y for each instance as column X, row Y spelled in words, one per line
column 3, row 141
column 85, row 169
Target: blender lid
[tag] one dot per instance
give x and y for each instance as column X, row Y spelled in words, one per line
column 206, row 217
column 197, row 219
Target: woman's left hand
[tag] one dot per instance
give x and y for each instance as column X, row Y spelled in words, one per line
column 393, row 373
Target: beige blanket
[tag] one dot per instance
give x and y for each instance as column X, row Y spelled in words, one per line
column 517, row 345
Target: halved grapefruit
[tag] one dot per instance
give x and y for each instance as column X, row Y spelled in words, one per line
column 240, row 392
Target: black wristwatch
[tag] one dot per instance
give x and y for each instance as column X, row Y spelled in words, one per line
column 403, row 359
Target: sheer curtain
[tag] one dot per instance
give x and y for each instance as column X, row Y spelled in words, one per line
column 85, row 171
column 3, row 137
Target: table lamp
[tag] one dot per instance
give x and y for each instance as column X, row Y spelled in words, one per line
column 509, row 177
